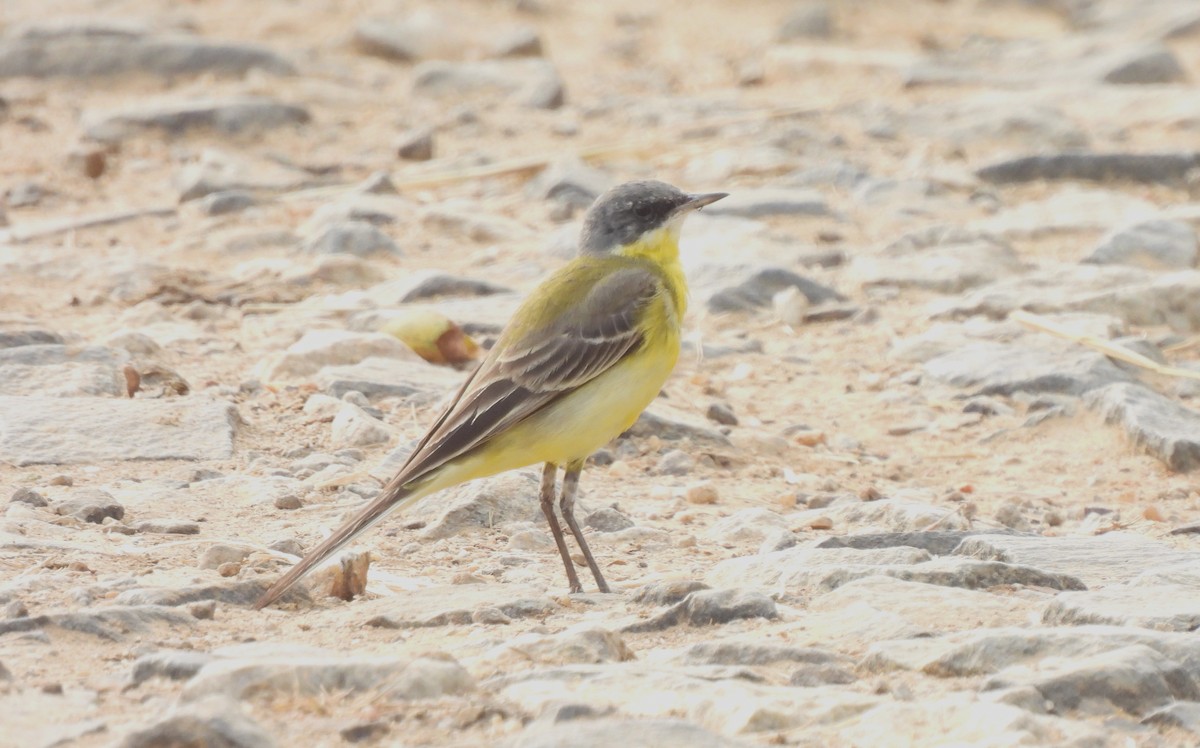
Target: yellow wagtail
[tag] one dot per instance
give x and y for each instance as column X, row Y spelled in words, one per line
column 579, row 361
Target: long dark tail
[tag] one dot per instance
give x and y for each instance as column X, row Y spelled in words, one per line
column 393, row 498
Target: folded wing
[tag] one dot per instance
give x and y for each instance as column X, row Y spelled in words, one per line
column 538, row 364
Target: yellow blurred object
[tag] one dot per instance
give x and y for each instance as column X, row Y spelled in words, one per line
column 432, row 336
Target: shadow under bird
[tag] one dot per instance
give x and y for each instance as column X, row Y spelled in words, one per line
column 580, row 360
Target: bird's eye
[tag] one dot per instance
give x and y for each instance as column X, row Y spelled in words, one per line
column 643, row 210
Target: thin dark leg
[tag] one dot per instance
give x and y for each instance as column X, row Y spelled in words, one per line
column 567, row 504
column 549, row 474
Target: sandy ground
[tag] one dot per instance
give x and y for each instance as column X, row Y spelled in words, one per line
column 834, row 378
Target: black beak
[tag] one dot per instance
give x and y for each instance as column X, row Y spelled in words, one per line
column 696, row 202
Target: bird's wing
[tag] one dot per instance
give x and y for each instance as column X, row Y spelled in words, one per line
column 529, row 367
column 526, row 372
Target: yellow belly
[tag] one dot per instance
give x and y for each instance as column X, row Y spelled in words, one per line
column 578, row 424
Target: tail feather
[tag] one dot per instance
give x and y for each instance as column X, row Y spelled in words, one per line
column 392, row 499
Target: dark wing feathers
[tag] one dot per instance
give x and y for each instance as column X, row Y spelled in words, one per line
column 520, row 377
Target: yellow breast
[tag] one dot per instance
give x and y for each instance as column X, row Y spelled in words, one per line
column 582, row 422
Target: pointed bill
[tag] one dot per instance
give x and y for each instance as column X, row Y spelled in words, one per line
column 696, row 202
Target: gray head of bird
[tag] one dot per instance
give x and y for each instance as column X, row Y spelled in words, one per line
column 632, row 212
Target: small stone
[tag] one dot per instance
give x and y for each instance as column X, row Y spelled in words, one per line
column 722, row 414
column 809, row 438
column 91, row 505
column 791, row 306
column 583, row 644
column 758, row 287
column 1166, row 607
column 607, row 520
column 1010, row 515
column 288, row 502
column 167, row 527
column 222, row 553
column 135, row 343
column 1111, row 558
column 1149, row 168
column 487, row 503
column 229, row 569
column 224, row 203
column 205, row 610
column 776, row 539
column 86, row 56
column 523, row 41
column 1005, row 369
column 324, row 349
column 491, row 616
column 569, row 182
column 217, row 721
column 809, row 20
column 173, row 116
column 987, row 651
column 671, row 424
column 533, row 83
column 707, row 607
column 92, row 162
column 703, row 492
column 815, row 676
column 530, row 539
column 1164, row 428
column 751, row 652
column 820, row 523
column 1136, row 679
column 365, row 731
column 354, row 427
column 62, row 480
column 415, row 145
column 1154, row 63
column 675, row 462
column 377, row 183
column 290, row 546
column 751, row 525
column 667, row 592
column 112, row 622
column 1159, row 244
column 357, row 238
column 1184, row 715
column 308, row 673
column 24, row 194
column 25, row 495
column 750, row 73
column 446, row 605
column 41, row 430
column 15, row 609
column 240, row 593
column 987, row 406
column 408, row 38
column 321, row 406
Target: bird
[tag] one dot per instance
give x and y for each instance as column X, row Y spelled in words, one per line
column 575, row 366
